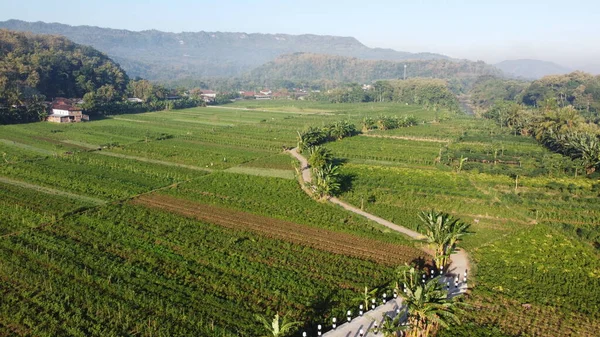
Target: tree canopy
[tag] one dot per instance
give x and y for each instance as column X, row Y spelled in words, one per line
column 52, row 66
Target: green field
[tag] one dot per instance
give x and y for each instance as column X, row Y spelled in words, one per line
column 145, row 213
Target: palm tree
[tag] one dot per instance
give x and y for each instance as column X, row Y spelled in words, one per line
column 310, row 137
column 319, row 156
column 367, row 124
column 326, row 180
column 427, row 304
column 341, row 129
column 391, row 326
column 584, row 146
column 278, row 327
column 443, row 232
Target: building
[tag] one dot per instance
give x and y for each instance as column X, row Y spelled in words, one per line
column 247, row 94
column 262, row 97
column 208, row 96
column 64, row 111
column 208, row 93
column 135, row 100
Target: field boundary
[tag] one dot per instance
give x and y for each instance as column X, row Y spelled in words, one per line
column 52, row 191
column 416, row 139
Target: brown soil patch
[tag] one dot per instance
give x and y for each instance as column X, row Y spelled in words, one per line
column 322, row 239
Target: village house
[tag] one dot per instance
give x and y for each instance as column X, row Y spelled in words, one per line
column 247, row 94
column 208, row 96
column 64, row 111
column 262, row 97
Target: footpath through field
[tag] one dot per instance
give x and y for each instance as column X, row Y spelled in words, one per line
column 51, row 191
column 458, row 267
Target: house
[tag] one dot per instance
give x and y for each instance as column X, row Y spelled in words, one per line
column 247, row 94
column 262, row 97
column 266, row 92
column 280, row 95
column 64, row 111
column 208, row 96
column 208, row 93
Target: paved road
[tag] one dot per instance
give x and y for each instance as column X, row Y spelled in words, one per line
column 458, row 267
column 364, row 322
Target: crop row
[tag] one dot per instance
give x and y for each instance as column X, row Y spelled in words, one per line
column 542, row 266
column 149, row 272
column 277, row 198
column 95, row 175
column 335, row 242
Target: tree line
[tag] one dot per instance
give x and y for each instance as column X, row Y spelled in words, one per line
column 560, row 129
column 430, row 93
column 577, row 89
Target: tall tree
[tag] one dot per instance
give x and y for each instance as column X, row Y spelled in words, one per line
column 442, row 231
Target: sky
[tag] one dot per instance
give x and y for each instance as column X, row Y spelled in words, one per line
column 565, row 32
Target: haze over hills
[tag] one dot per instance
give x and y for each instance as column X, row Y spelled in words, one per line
column 531, row 69
column 310, row 67
column 163, row 56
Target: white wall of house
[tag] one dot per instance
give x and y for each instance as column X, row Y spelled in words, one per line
column 60, row 112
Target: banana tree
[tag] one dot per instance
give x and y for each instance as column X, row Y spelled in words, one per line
column 278, row 327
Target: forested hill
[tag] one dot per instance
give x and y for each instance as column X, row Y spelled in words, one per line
column 310, row 67
column 165, row 56
column 38, row 67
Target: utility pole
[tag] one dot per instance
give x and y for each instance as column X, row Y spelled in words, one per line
column 405, row 71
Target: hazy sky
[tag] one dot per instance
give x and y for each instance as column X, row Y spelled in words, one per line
column 566, row 32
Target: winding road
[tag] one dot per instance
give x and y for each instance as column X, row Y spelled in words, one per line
column 458, row 267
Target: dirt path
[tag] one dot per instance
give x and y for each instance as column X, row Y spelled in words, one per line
column 418, row 139
column 459, row 259
column 153, row 161
column 277, row 111
column 52, row 191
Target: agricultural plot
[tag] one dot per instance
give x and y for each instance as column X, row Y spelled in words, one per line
column 276, row 198
column 557, row 277
column 90, row 174
column 23, row 208
column 326, row 240
column 149, row 272
column 385, row 150
column 277, row 162
column 323, row 110
column 399, row 194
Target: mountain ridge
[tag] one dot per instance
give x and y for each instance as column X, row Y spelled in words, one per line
column 531, row 69
column 161, row 55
